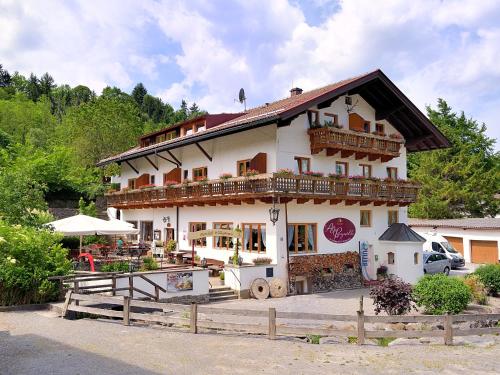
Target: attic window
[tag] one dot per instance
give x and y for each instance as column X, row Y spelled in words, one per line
column 334, row 118
column 366, row 127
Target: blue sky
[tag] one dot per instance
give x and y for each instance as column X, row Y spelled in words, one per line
column 204, row 51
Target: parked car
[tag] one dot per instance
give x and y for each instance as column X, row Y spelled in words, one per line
column 435, row 262
column 438, row 243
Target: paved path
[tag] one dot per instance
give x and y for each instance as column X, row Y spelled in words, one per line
column 38, row 343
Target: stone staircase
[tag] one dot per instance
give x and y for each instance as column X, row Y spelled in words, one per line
column 222, row 293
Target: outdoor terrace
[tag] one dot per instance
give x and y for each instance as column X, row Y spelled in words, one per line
column 267, row 187
column 356, row 143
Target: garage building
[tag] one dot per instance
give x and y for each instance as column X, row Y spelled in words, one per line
column 477, row 239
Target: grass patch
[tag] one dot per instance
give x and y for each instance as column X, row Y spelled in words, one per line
column 314, row 339
column 352, row 340
column 385, row 341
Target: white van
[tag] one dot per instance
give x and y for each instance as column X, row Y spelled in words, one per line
column 436, row 242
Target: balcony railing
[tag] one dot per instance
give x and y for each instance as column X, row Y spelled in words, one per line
column 349, row 142
column 267, row 187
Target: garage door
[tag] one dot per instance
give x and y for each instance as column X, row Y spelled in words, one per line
column 457, row 243
column 484, row 251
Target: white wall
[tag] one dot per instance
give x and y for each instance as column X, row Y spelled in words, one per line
column 241, row 278
column 404, row 266
column 466, row 235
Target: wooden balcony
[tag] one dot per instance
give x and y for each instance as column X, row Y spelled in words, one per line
column 267, row 187
column 349, row 142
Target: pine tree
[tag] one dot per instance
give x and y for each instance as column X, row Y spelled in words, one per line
column 5, row 78
column 460, row 181
column 46, row 84
column 138, row 93
column 33, row 88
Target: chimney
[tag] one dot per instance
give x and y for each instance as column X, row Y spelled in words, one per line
column 295, row 91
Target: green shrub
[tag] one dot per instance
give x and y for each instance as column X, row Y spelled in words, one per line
column 115, row 267
column 440, row 294
column 171, row 246
column 221, row 275
column 489, row 275
column 149, row 264
column 476, row 286
column 28, row 256
column 393, row 296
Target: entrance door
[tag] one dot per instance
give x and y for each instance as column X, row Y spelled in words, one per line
column 457, row 243
column 484, row 251
column 169, row 234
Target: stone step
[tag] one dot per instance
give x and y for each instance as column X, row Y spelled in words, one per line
column 221, row 293
column 223, row 298
column 219, row 289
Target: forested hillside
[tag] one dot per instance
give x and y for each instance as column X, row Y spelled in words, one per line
column 51, row 136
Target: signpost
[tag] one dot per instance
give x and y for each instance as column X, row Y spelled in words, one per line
column 235, row 233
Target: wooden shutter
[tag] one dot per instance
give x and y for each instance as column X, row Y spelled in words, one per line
column 356, row 122
column 259, row 162
column 142, row 180
column 173, row 175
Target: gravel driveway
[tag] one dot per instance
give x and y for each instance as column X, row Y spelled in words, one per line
column 39, row 343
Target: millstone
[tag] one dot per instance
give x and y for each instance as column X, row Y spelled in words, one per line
column 260, row 289
column 277, row 288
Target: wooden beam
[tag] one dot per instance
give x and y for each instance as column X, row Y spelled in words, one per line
column 331, row 151
column 212, row 203
column 335, row 201
column 319, row 200
column 223, row 203
column 173, row 157
column 167, row 159
column 131, row 166
column 378, row 203
column 360, row 155
column 382, row 115
column 346, row 153
column 236, row 202
column 284, row 200
column 350, row 202
column 249, row 201
column 373, row 157
column 203, row 151
column 364, row 203
column 302, row 200
column 151, row 162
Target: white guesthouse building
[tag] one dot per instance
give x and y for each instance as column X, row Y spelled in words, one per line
column 332, row 160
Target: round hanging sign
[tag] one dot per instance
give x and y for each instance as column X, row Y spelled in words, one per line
column 339, row 230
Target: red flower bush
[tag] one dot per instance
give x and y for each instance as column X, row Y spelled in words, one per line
column 393, row 295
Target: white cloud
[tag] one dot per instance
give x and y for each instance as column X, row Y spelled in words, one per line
column 430, row 48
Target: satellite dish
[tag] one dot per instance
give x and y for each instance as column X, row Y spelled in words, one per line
column 242, row 98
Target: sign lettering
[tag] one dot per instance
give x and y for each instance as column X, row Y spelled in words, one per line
column 215, row 233
column 339, row 230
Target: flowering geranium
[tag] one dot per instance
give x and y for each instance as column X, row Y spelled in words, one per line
column 284, row 172
column 170, row 183
column 314, row 174
column 225, row 176
column 358, row 177
column 252, row 172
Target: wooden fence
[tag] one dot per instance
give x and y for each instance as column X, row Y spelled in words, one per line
column 191, row 320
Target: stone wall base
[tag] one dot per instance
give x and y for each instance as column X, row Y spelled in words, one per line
column 204, row 298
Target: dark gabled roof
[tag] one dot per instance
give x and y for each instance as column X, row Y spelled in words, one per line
column 378, row 90
column 486, row 223
column 402, row 233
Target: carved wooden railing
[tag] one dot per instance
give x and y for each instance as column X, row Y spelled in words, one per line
column 340, row 139
column 269, row 186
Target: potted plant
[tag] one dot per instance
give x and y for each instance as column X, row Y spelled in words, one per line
column 170, row 183
column 314, row 174
column 251, row 172
column 261, row 260
column 395, row 136
column 225, row 176
column 381, row 272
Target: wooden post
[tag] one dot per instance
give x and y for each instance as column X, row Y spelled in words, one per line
column 157, row 293
column 448, row 329
column 361, row 304
column 67, row 301
column 113, row 284
column 361, row 328
column 272, row 323
column 131, row 286
column 126, row 310
column 194, row 318
column 76, row 289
